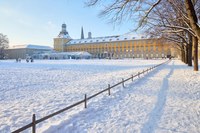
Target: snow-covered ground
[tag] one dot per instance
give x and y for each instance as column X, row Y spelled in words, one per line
column 165, row 100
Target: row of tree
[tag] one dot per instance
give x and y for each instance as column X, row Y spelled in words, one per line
column 176, row 21
column 3, row 45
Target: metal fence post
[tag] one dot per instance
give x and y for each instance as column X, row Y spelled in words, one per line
column 34, row 124
column 132, row 77
column 85, row 100
column 109, row 89
column 123, row 82
column 138, row 74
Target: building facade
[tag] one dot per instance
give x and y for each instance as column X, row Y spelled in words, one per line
column 64, row 55
column 27, row 50
column 123, row 46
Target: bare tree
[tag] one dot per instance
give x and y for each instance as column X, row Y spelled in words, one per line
column 175, row 17
column 168, row 18
column 3, row 44
column 175, row 21
column 139, row 10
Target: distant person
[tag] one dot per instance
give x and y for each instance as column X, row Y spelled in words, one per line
column 31, row 59
column 19, row 60
column 27, row 60
column 16, row 59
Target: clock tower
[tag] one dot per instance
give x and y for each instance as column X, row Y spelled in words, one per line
column 61, row 39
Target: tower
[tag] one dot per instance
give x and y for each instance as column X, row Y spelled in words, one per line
column 89, row 35
column 61, row 39
column 64, row 31
column 82, row 34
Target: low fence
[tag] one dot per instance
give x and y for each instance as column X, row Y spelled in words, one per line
column 35, row 122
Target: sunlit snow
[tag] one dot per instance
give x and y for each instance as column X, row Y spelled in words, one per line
column 165, row 100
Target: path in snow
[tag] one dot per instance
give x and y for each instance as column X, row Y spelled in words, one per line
column 159, row 102
column 157, row 112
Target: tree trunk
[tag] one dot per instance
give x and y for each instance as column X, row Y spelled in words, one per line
column 192, row 17
column 186, row 54
column 189, row 56
column 183, row 55
column 195, row 53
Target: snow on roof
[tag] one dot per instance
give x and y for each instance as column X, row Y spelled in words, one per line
column 104, row 39
column 64, row 36
column 30, row 46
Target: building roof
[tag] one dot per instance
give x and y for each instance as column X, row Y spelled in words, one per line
column 31, row 46
column 63, row 33
column 103, row 39
column 64, row 36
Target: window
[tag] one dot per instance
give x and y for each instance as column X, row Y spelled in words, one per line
column 151, row 48
column 156, row 48
column 132, row 48
column 142, row 48
column 137, row 48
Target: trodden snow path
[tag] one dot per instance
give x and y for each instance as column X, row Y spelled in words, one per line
column 165, row 100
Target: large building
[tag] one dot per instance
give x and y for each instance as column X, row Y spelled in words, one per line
column 27, row 50
column 119, row 46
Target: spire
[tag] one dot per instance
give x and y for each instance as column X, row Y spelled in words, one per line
column 82, row 34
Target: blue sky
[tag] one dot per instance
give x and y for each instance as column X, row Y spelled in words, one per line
column 39, row 21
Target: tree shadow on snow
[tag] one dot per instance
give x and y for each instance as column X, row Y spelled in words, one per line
column 100, row 110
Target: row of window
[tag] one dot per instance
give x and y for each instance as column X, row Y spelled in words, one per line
column 131, row 55
column 115, row 49
column 115, row 44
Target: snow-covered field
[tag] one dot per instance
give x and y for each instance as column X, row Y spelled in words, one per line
column 165, row 100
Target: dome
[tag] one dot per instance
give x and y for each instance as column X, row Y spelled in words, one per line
column 63, row 25
column 63, row 33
